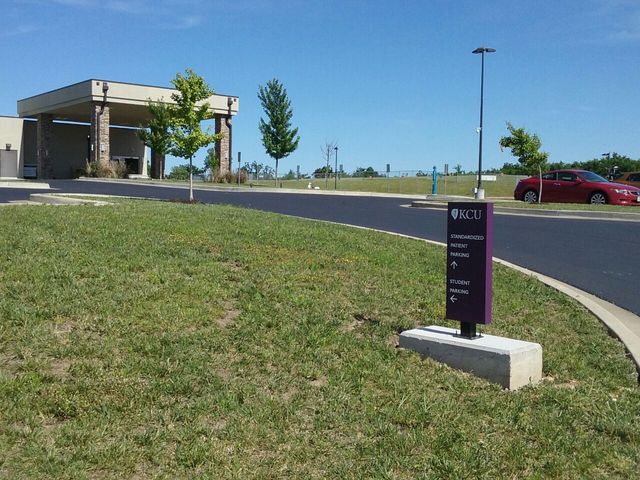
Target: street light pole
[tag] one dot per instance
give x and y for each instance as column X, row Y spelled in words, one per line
column 335, row 172
column 481, row 50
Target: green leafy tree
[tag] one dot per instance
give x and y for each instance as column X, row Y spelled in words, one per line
column 322, row 172
column 512, row 169
column 365, row 172
column 458, row 169
column 278, row 137
column 183, row 171
column 157, row 135
column 212, row 162
column 291, row 175
column 526, row 148
column 256, row 169
column 604, row 166
column 190, row 111
column 268, row 173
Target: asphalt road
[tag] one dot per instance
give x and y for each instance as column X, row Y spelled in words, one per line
column 598, row 256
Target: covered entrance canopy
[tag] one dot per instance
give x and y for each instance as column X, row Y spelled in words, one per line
column 102, row 103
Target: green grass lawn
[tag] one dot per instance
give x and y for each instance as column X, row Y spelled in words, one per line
column 635, row 209
column 455, row 185
column 163, row 340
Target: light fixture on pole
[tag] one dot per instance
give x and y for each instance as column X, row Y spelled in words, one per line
column 481, row 50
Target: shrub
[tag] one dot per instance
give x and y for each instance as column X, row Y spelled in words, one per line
column 181, row 172
column 229, row 177
column 105, row 170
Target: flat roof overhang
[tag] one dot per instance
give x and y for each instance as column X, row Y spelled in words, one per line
column 127, row 102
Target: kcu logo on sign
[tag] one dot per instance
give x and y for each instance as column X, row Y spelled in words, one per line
column 466, row 214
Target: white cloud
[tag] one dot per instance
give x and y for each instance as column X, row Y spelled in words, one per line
column 621, row 19
column 128, row 7
column 76, row 3
column 186, row 22
column 23, row 29
column 629, row 28
column 160, row 12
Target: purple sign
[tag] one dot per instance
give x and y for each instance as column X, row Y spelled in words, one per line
column 469, row 261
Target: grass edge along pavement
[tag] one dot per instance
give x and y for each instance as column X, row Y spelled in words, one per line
column 616, row 319
column 618, row 212
column 501, row 202
column 161, row 339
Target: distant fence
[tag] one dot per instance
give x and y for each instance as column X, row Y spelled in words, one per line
column 400, row 182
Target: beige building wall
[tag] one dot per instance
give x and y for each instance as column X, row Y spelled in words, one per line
column 125, row 143
column 11, row 131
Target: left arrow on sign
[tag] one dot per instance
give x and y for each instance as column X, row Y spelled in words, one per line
column 453, row 298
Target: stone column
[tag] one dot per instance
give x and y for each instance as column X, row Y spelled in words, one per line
column 44, row 130
column 100, row 144
column 223, row 125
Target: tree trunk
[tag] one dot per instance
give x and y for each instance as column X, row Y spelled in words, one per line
column 190, row 179
column 276, row 173
column 157, row 164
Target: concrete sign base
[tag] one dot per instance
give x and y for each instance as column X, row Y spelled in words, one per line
column 510, row 363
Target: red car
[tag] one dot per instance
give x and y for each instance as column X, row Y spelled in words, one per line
column 576, row 186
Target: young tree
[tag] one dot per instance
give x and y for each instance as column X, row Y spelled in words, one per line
column 526, row 148
column 187, row 135
column 157, row 135
column 278, row 138
column 327, row 152
column 212, row 162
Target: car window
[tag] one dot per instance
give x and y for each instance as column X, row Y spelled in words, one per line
column 549, row 176
column 634, row 177
column 592, row 177
column 567, row 176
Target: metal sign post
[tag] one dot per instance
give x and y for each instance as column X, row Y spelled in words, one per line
column 469, row 264
column 446, row 174
column 434, row 177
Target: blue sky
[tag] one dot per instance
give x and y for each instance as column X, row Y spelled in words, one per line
column 390, row 81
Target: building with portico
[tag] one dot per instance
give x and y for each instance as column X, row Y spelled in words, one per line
column 56, row 133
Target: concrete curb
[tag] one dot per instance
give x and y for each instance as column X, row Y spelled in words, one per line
column 616, row 319
column 59, row 199
column 212, row 188
column 418, row 200
column 608, row 313
column 629, row 217
column 24, row 184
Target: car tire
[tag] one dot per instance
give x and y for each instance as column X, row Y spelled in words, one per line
column 597, row 198
column 530, row 196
